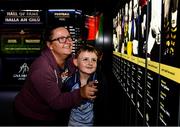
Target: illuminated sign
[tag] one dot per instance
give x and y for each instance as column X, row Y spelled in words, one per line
column 61, row 16
column 14, row 42
column 21, row 16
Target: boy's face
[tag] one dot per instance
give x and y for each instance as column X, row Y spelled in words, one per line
column 86, row 62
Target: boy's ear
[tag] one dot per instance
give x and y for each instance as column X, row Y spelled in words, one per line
column 75, row 62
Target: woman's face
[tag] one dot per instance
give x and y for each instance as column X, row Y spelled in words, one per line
column 57, row 46
column 86, row 62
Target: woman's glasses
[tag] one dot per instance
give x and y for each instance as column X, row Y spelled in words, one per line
column 63, row 39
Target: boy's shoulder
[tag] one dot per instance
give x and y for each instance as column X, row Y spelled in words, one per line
column 71, row 80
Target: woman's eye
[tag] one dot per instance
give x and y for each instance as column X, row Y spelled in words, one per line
column 62, row 39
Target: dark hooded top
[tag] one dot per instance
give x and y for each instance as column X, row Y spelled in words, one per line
column 41, row 97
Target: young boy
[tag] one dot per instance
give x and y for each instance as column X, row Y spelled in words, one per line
column 86, row 61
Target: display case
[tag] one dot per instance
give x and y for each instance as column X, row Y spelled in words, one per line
column 145, row 41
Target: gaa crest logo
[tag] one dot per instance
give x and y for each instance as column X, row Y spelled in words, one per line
column 22, row 73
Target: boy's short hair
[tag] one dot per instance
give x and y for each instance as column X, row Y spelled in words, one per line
column 88, row 48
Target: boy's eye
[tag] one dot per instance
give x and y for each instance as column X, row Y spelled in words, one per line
column 94, row 60
column 85, row 59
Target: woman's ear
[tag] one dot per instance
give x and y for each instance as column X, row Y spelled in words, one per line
column 49, row 45
column 75, row 62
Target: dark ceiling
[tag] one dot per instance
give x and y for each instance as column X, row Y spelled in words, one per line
column 85, row 5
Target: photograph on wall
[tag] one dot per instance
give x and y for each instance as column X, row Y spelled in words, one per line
column 154, row 30
column 170, row 45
